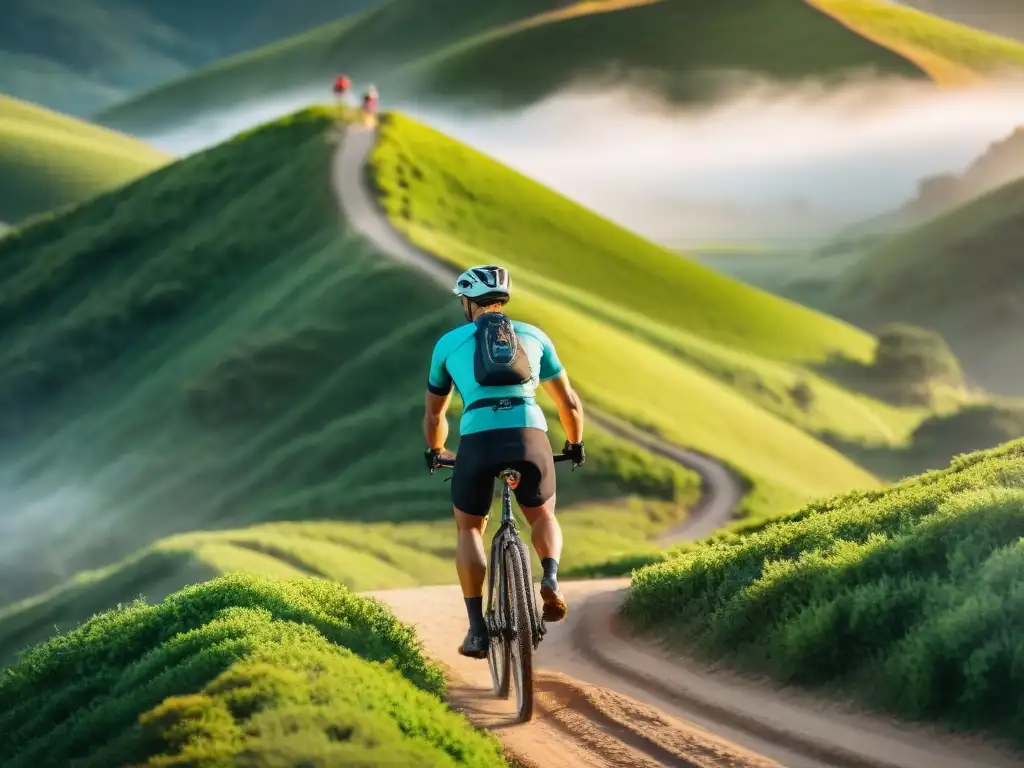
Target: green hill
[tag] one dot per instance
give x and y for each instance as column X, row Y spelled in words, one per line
column 909, row 599
column 950, row 53
column 661, row 46
column 962, row 275
column 219, row 341
column 712, row 363
column 82, row 55
column 48, row 160
column 367, row 47
column 509, row 54
column 244, row 668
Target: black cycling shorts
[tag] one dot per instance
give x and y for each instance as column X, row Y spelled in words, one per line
column 482, row 455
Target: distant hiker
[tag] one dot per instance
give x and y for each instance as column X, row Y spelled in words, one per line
column 342, row 86
column 370, row 99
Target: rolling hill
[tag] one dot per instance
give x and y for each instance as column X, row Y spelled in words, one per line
column 367, row 47
column 952, row 54
column 48, row 160
column 1001, row 163
column 961, row 274
column 514, row 53
column 82, row 55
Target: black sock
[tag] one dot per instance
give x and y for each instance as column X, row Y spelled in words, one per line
column 550, row 566
column 475, row 609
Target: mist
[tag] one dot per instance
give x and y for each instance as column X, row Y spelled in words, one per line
column 764, row 161
column 36, row 528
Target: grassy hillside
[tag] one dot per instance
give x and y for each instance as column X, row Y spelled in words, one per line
column 908, row 598
column 82, row 55
column 48, row 160
column 961, row 274
column 232, row 355
column 509, row 54
column 660, row 45
column 242, row 668
column 367, row 47
column 951, row 53
column 712, row 362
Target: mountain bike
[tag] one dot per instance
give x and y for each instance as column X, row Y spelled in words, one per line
column 513, row 623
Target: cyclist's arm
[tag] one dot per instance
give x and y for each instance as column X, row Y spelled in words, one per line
column 435, row 425
column 570, row 407
column 555, row 381
column 439, row 396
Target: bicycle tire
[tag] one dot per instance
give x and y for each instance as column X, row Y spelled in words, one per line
column 498, row 651
column 521, row 650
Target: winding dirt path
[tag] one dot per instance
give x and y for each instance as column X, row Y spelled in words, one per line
column 612, row 701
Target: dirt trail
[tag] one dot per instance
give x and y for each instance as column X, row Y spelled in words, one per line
column 611, row 701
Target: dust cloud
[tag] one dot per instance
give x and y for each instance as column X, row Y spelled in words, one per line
column 763, row 161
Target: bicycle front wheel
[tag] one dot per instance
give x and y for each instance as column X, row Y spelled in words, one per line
column 498, row 651
column 517, row 568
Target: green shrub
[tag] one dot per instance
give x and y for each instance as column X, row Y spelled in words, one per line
column 909, row 363
column 241, row 670
column 906, row 598
column 916, row 356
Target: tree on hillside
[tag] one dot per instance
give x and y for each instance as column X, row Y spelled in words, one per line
column 909, row 360
column 913, row 353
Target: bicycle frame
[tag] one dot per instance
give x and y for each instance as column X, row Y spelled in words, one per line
column 506, row 536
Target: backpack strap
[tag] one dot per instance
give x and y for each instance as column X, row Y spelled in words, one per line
column 498, row 403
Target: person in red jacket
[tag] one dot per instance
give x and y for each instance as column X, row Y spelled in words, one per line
column 342, row 86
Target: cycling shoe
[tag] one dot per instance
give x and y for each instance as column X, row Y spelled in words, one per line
column 555, row 607
column 474, row 646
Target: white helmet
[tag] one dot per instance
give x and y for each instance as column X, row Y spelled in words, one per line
column 485, row 282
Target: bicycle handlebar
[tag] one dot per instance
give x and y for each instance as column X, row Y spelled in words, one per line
column 447, row 463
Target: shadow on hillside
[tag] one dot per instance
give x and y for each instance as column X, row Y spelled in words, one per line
column 937, row 440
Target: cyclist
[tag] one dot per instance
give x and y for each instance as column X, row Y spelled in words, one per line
column 502, row 426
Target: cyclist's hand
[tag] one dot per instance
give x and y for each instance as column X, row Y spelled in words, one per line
column 433, row 455
column 575, row 450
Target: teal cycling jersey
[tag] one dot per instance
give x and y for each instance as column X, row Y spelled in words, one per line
column 452, row 363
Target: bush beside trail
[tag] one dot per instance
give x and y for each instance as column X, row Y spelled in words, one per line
column 909, row 598
column 242, row 670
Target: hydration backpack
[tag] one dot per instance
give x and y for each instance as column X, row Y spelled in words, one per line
column 499, row 359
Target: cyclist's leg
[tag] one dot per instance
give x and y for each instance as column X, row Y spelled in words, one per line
column 536, row 497
column 545, row 532
column 472, row 491
column 470, row 559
